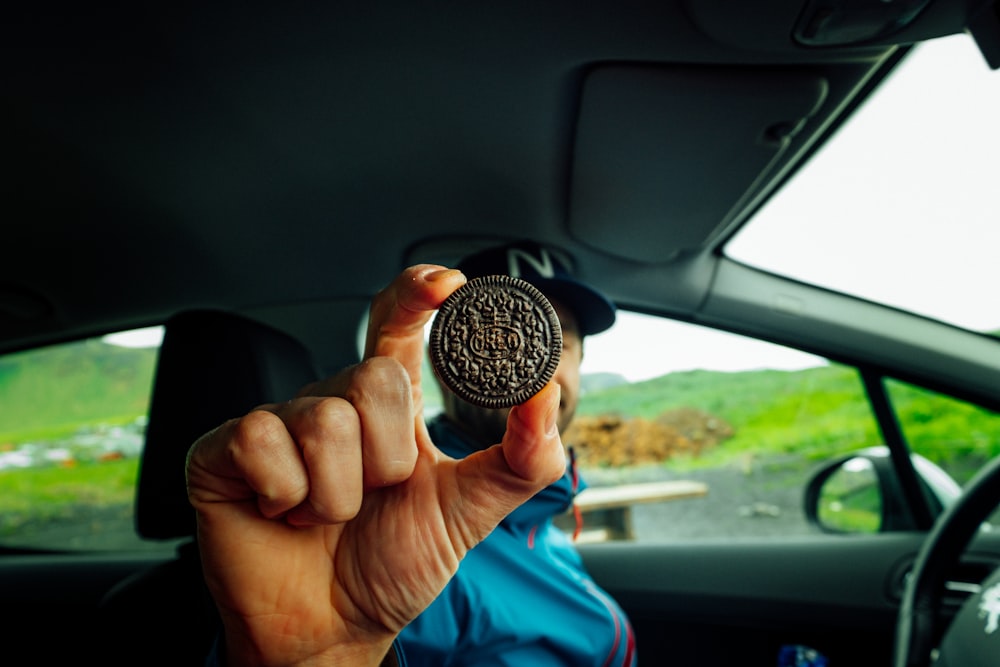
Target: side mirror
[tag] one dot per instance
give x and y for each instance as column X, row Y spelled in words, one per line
column 860, row 493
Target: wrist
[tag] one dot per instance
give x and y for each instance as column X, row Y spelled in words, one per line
column 238, row 651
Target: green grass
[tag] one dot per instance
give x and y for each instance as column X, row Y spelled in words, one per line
column 811, row 412
column 107, row 482
column 45, row 494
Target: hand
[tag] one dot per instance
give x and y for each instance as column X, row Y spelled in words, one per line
column 326, row 524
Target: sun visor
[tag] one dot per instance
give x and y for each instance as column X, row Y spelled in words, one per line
column 663, row 155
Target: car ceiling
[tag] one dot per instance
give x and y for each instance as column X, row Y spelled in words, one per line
column 286, row 159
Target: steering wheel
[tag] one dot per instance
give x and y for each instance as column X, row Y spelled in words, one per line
column 973, row 638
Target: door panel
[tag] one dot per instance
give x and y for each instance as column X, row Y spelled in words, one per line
column 738, row 602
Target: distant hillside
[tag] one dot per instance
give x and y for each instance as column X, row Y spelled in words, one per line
column 736, row 394
column 816, row 411
column 51, row 392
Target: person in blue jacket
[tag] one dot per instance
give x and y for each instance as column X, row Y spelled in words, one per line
column 338, row 528
column 522, row 596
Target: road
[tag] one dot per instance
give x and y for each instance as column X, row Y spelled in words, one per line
column 762, row 501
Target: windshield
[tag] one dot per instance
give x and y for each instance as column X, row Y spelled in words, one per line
column 904, row 215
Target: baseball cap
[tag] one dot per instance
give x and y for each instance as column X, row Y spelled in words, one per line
column 549, row 271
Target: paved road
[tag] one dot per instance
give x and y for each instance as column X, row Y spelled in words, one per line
column 740, row 503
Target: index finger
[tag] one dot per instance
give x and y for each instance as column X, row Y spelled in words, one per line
column 400, row 311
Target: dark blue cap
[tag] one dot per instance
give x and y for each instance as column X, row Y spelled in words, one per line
column 549, row 271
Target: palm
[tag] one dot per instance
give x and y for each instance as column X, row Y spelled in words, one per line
column 400, row 552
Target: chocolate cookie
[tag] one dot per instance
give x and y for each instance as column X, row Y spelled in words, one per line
column 496, row 341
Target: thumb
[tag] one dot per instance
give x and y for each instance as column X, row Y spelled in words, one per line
column 495, row 481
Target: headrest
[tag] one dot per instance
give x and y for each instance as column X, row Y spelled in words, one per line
column 213, row 366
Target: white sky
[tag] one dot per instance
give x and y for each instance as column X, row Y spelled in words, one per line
column 901, row 206
column 642, row 347
column 148, row 337
column 899, row 197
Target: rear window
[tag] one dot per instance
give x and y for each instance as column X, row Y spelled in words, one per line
column 72, row 428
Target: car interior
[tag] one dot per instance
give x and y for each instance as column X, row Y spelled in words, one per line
column 243, row 178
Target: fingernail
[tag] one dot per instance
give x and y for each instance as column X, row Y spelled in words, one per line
column 441, row 274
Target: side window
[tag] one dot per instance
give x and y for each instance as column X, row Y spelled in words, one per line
column 706, row 434
column 72, row 425
column 953, row 434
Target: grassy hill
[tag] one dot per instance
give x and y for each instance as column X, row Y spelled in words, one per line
column 812, row 411
column 47, row 394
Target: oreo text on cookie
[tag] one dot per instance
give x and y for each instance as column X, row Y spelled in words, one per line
column 496, row 341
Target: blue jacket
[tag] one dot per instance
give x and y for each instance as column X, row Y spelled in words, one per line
column 522, row 596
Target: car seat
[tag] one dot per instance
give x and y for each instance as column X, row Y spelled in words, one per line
column 212, row 366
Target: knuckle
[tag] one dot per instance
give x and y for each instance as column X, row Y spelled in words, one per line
column 333, row 418
column 256, row 436
column 381, row 377
column 257, row 429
